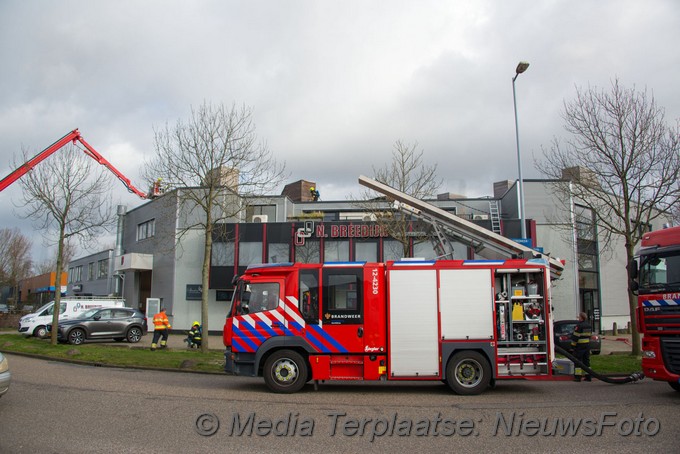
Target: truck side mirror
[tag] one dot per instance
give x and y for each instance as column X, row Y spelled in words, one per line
column 632, row 270
column 633, row 275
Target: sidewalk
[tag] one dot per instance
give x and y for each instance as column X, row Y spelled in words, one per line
column 176, row 341
column 619, row 344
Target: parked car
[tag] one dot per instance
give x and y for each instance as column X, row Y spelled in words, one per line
column 35, row 324
column 562, row 331
column 4, row 309
column 118, row 323
column 5, row 376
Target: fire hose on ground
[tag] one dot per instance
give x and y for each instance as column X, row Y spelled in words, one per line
column 632, row 378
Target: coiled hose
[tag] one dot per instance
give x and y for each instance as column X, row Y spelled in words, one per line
column 632, row 378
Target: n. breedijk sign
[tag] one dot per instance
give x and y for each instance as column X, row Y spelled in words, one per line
column 338, row 231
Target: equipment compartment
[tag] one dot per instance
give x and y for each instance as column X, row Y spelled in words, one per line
column 521, row 329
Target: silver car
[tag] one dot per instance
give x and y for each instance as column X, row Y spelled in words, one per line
column 5, row 376
column 119, row 323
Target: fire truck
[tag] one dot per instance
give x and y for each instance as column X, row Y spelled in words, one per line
column 468, row 323
column 72, row 137
column 655, row 277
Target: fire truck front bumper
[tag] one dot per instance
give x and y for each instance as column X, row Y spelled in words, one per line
column 661, row 358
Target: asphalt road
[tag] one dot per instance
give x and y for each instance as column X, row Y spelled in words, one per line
column 55, row 407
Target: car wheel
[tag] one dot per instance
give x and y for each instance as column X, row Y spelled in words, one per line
column 285, row 371
column 134, row 334
column 675, row 385
column 468, row 373
column 76, row 336
column 40, row 331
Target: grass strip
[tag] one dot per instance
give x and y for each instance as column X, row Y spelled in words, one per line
column 122, row 354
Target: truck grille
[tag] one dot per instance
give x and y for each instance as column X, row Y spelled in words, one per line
column 661, row 316
column 670, row 349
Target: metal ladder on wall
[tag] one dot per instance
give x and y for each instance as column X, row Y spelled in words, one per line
column 495, row 216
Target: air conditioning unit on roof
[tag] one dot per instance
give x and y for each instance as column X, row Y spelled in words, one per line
column 480, row 217
column 260, row 218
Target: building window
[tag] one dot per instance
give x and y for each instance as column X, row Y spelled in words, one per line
column 424, row 249
column 102, row 268
column 308, row 252
column 76, row 274
column 249, row 253
column 588, row 264
column 222, row 254
column 278, row 252
column 260, row 213
column 90, row 271
column 336, row 251
column 146, row 230
column 366, row 251
column 392, row 250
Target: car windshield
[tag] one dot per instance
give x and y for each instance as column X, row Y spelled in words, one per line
column 566, row 328
column 88, row 314
column 42, row 308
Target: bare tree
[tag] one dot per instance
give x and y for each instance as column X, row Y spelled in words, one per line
column 50, row 264
column 622, row 160
column 15, row 260
column 216, row 164
column 407, row 173
column 67, row 197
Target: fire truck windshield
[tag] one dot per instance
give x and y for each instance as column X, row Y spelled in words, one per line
column 660, row 272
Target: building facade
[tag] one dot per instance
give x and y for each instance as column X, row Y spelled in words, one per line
column 159, row 251
column 92, row 275
column 39, row 290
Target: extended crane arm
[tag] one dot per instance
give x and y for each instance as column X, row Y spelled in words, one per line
column 72, row 136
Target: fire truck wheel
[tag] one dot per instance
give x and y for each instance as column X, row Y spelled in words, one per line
column 285, row 371
column 468, row 373
column 674, row 385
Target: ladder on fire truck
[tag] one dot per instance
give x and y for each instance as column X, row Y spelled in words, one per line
column 488, row 244
column 494, row 213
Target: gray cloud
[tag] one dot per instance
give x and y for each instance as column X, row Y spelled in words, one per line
column 333, row 84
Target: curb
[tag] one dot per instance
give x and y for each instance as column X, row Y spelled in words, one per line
column 113, row 366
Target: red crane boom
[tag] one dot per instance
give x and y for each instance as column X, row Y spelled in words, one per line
column 72, row 136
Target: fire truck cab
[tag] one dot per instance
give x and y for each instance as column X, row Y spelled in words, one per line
column 655, row 278
column 467, row 323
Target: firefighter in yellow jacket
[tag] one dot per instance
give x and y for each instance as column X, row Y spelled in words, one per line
column 161, row 325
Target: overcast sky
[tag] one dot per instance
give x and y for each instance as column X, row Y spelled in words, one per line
column 332, row 84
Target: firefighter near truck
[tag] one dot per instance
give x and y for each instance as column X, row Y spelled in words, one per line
column 468, row 323
column 655, row 278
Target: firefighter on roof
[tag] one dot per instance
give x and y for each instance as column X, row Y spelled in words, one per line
column 314, row 193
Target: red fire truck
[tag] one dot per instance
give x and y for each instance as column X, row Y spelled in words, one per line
column 467, row 323
column 656, row 279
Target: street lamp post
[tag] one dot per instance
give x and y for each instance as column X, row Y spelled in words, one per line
column 521, row 67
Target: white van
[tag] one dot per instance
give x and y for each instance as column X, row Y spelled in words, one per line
column 35, row 324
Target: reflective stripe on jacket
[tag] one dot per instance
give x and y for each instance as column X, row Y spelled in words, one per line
column 580, row 338
column 160, row 321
